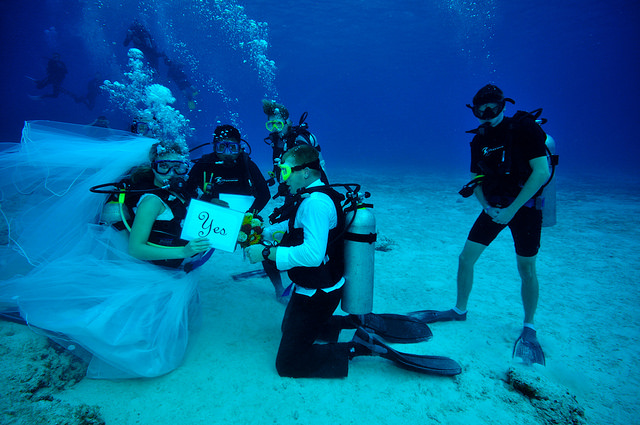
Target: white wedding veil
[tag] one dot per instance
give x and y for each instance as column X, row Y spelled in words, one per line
column 80, row 286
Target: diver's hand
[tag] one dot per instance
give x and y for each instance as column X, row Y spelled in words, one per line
column 254, row 253
column 492, row 211
column 503, row 215
column 196, row 246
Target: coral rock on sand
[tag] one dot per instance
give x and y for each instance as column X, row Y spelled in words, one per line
column 33, row 371
column 554, row 403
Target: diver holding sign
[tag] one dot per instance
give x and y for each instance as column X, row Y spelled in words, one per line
column 91, row 288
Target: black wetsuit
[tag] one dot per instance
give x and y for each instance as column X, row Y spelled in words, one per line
column 56, row 73
column 242, row 177
column 142, row 40
column 176, row 73
column 502, row 155
column 296, row 135
column 93, row 90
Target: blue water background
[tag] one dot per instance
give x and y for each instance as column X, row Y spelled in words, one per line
column 384, row 82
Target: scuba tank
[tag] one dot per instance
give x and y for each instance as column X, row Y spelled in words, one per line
column 547, row 199
column 549, row 191
column 359, row 250
column 113, row 212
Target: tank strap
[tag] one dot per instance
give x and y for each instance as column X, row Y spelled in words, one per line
column 357, row 237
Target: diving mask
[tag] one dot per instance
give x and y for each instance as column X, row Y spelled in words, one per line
column 286, row 169
column 274, row 125
column 179, row 168
column 142, row 128
column 487, row 111
column 228, row 146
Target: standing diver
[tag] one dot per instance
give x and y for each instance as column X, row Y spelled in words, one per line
column 509, row 168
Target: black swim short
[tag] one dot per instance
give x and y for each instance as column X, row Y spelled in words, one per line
column 525, row 226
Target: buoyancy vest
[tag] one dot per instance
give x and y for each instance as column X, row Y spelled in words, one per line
column 503, row 177
column 328, row 273
column 213, row 178
column 163, row 232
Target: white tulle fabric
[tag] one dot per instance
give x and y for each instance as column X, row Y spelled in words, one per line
column 82, row 288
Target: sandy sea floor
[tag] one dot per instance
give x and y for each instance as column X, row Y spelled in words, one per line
column 587, row 318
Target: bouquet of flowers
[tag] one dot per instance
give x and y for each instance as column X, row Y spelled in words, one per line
column 250, row 231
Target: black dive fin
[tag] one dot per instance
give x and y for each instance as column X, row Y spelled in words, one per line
column 247, row 275
column 395, row 328
column 435, row 365
column 528, row 349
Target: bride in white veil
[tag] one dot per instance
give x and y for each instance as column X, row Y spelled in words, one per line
column 77, row 283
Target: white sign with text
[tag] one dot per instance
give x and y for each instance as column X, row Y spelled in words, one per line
column 237, row 202
column 218, row 224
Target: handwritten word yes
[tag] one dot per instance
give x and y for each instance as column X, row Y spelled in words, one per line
column 208, row 226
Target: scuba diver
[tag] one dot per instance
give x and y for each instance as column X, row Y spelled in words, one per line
column 312, row 251
column 142, row 40
column 228, row 169
column 509, row 169
column 159, row 214
column 176, row 74
column 56, row 73
column 91, row 288
column 145, row 127
column 283, row 135
column 154, row 207
column 93, row 90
